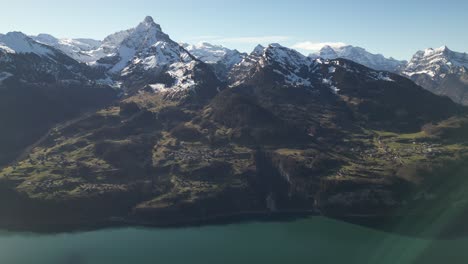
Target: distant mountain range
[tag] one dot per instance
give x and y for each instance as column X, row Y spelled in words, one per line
column 138, row 128
column 361, row 56
column 441, row 71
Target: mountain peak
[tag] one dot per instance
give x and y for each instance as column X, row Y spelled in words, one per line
column 149, row 20
column 443, row 48
column 148, row 23
column 275, row 45
column 431, row 51
column 258, row 50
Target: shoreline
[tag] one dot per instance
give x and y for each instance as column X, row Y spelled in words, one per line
column 118, row 222
column 404, row 225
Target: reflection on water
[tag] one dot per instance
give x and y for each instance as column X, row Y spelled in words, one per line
column 313, row 240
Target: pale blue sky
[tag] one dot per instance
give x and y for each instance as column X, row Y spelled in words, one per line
column 395, row 28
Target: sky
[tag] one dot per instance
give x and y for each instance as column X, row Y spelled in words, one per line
column 396, row 28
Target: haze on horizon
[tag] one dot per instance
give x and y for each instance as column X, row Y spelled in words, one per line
column 396, row 29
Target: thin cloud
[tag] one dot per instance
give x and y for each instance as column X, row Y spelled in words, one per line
column 316, row 46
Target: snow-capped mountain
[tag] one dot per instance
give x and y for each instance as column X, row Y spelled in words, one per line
column 137, row 58
column 291, row 65
column 145, row 57
column 23, row 58
column 78, row 49
column 276, row 64
column 275, row 73
column 149, row 46
column 220, row 58
column 361, row 56
column 441, row 71
column 436, row 62
column 246, row 66
column 19, row 43
column 207, row 52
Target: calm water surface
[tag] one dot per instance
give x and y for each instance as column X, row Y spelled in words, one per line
column 312, row 240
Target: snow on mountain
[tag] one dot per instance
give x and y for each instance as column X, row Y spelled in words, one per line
column 361, row 56
column 212, row 54
column 441, row 71
column 290, row 66
column 143, row 56
column 275, row 64
column 17, row 42
column 78, row 49
column 22, row 58
column 206, row 52
column 146, row 57
column 145, row 45
column 245, row 66
column 221, row 59
column 436, row 62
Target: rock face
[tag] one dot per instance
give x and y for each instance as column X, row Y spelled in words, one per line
column 441, row 71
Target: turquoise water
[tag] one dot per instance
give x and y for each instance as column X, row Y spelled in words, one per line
column 312, row 240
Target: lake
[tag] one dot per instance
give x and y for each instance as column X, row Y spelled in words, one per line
column 310, row 240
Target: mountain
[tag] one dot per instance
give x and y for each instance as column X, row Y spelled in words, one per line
column 246, row 66
column 220, row 58
column 177, row 141
column 360, row 55
column 145, row 57
column 39, row 87
column 286, row 133
column 441, row 71
column 277, row 65
column 22, row 58
column 17, row 42
column 77, row 49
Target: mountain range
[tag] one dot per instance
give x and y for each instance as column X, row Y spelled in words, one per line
column 441, row 71
column 140, row 129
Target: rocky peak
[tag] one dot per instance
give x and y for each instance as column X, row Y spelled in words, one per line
column 148, row 24
column 258, row 50
column 275, row 53
column 145, row 34
column 291, row 66
column 436, row 62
